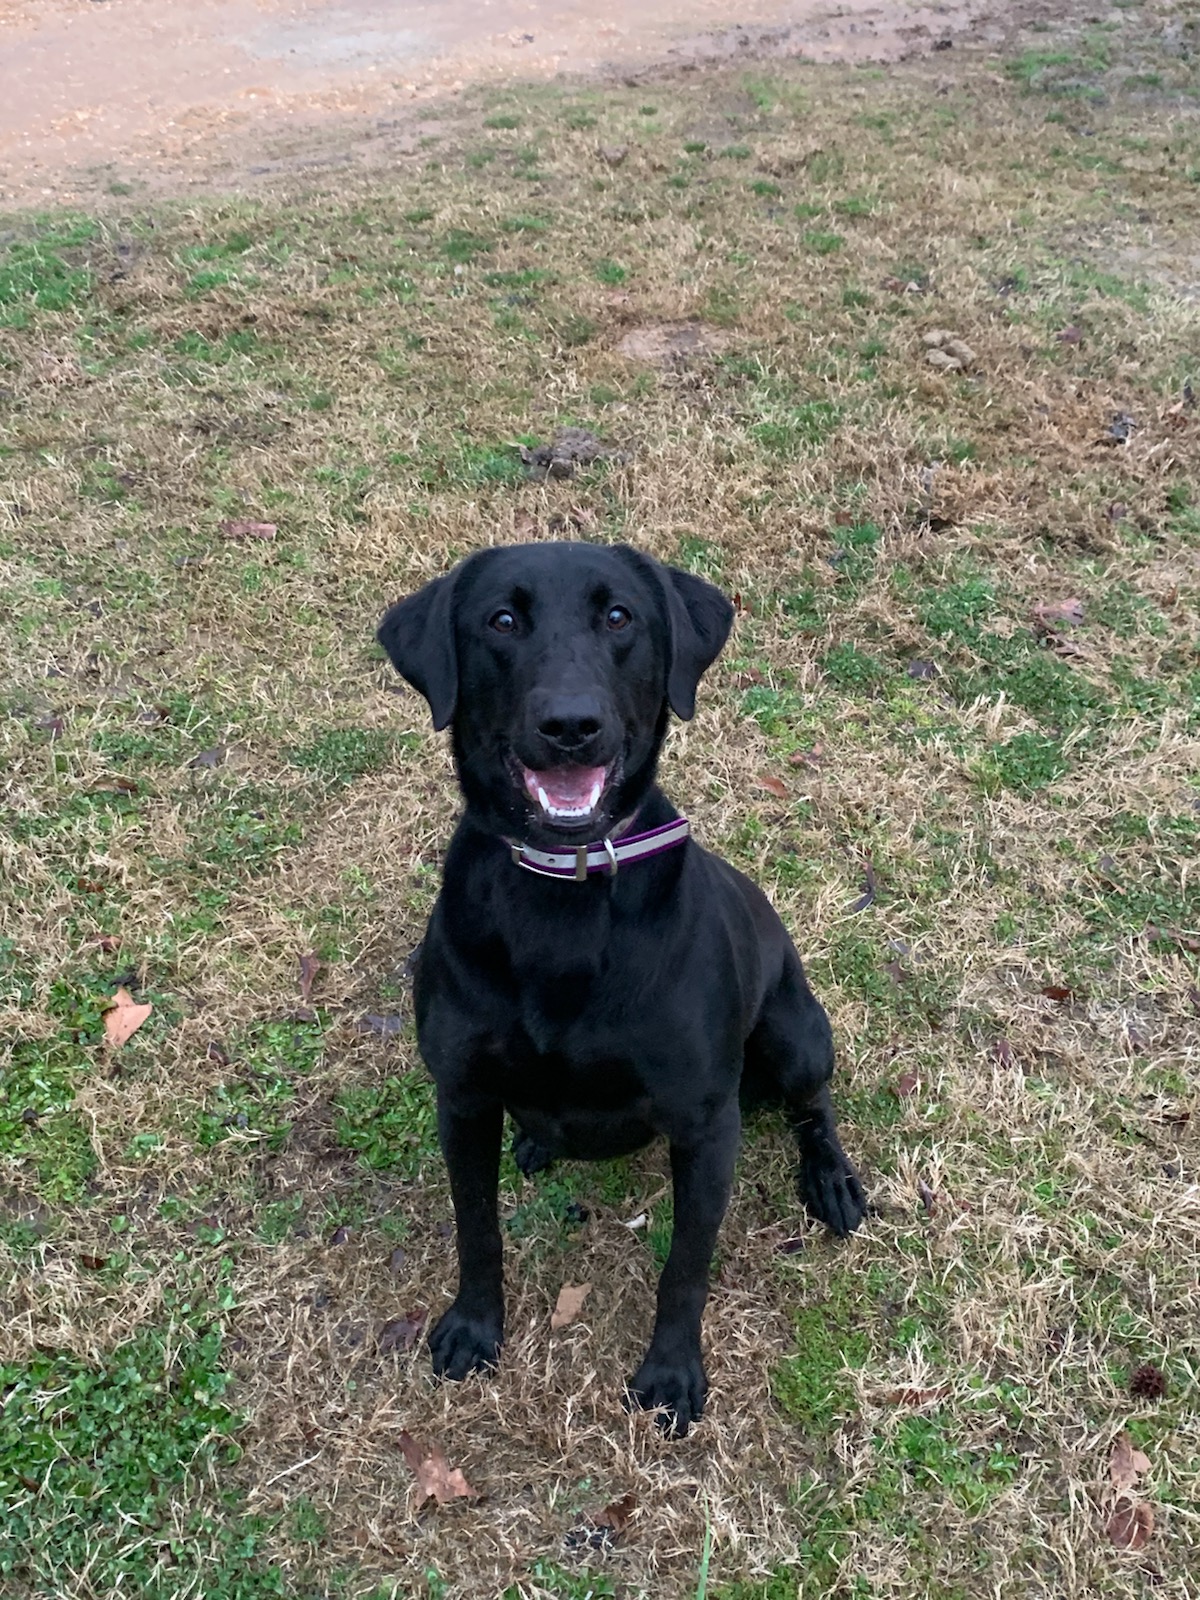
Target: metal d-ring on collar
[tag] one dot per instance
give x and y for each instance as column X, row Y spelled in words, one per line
column 605, row 856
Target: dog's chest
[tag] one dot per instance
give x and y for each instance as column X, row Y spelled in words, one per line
column 580, row 1103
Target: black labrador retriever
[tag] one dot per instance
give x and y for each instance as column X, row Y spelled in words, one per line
column 588, row 968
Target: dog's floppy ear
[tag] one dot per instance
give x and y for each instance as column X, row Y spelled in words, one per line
column 418, row 635
column 699, row 618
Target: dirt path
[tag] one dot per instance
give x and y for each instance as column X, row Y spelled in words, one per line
column 171, row 95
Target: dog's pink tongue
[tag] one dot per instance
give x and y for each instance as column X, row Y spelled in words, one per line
column 566, row 789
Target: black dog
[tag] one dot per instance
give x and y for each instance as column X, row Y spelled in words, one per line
column 601, row 991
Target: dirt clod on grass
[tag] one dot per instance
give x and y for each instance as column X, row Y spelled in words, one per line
column 670, row 344
column 569, row 449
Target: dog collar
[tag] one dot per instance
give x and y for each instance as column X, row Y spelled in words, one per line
column 605, row 857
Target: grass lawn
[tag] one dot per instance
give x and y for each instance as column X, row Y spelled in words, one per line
column 956, row 736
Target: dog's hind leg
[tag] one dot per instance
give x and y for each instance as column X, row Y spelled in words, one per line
column 791, row 1051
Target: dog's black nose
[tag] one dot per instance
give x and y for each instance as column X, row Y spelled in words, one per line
column 569, row 721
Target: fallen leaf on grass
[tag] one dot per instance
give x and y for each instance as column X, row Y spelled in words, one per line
column 436, row 1478
column 897, row 973
column 54, row 726
column 1066, row 648
column 1002, row 1052
column 1056, row 992
column 93, row 1263
column 1136, row 1039
column 215, row 1051
column 209, row 758
column 916, row 1397
column 384, row 1027
column 123, row 1018
column 1131, row 1524
column 401, row 1333
column 310, row 965
column 570, row 1304
column 921, row 669
column 602, row 1530
column 248, row 530
column 928, row 1198
column 1185, row 941
column 109, row 943
column 867, row 897
column 524, row 525
column 790, row 1247
column 1051, row 614
column 807, row 758
column 616, row 1516
column 907, row 1085
column 775, row 786
column 340, row 1234
column 1126, row 1464
column 1069, row 335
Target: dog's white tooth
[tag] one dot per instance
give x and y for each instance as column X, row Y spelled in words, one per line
column 543, row 799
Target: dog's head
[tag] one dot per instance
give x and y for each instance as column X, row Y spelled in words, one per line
column 556, row 665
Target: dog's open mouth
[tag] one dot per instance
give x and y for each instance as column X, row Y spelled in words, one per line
column 566, row 796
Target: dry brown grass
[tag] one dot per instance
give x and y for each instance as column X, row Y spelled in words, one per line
column 368, row 417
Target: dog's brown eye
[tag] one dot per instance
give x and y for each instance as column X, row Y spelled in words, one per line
column 503, row 622
column 618, row 618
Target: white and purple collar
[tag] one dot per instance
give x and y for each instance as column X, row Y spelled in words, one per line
column 585, row 860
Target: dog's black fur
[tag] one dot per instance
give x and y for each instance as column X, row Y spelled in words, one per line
column 598, row 1013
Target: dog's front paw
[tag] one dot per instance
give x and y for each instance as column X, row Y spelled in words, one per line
column 465, row 1342
column 675, row 1388
column 830, row 1187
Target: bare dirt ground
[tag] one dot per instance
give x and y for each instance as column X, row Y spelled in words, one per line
column 172, row 96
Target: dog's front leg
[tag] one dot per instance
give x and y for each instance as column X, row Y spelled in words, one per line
column 672, row 1374
column 468, row 1336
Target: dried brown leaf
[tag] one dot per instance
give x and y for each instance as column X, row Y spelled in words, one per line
column 1002, row 1052
column 772, row 785
column 1131, row 1524
column 1057, row 992
column 928, row 1198
column 123, row 1018
column 385, row 1027
column 1126, row 1464
column 401, row 1333
column 248, row 530
column 1051, row 614
column 916, row 1397
column 569, row 1304
column 209, row 758
column 310, row 965
column 436, row 1478
column 616, row 1515
column 870, row 885
column 1185, row 941
column 908, row 1084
